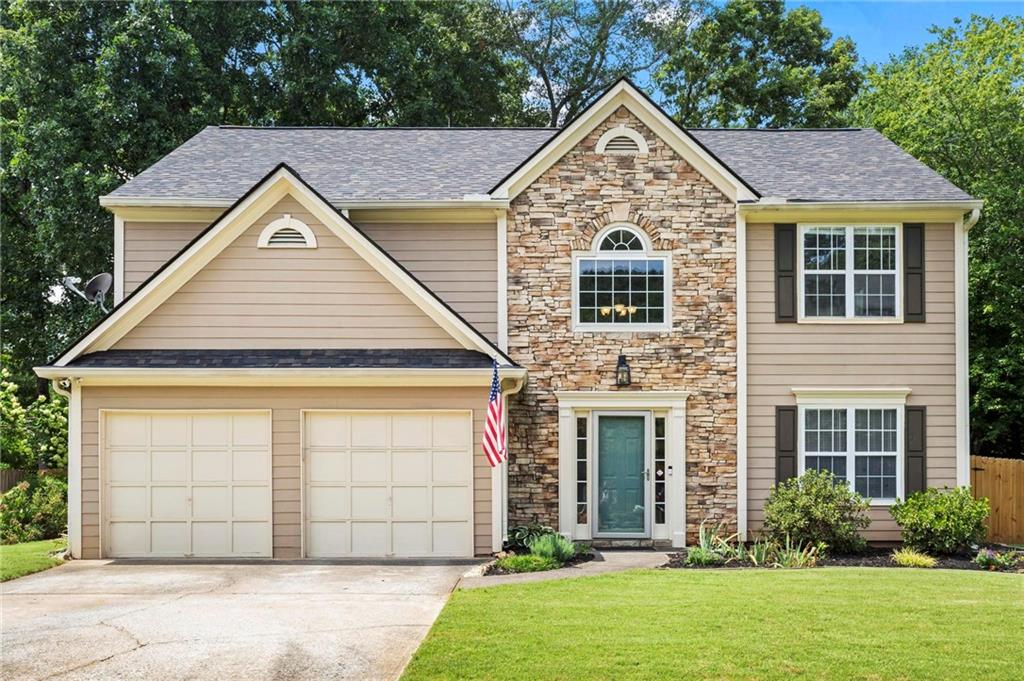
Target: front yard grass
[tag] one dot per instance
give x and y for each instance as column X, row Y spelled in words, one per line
column 18, row 560
column 827, row 623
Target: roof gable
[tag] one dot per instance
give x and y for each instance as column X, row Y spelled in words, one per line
column 260, row 199
column 625, row 94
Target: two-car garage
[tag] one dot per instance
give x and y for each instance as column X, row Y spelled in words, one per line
column 374, row 483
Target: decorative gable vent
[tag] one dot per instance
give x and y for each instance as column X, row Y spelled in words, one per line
column 622, row 141
column 287, row 232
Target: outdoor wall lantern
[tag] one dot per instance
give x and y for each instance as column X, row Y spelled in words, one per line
column 622, row 376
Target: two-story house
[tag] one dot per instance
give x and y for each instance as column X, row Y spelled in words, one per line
column 299, row 361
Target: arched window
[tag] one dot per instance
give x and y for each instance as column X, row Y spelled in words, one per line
column 621, row 283
column 287, row 232
column 622, row 141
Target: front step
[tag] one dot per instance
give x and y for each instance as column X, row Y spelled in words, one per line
column 649, row 544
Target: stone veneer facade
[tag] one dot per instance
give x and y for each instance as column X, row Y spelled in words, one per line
column 681, row 212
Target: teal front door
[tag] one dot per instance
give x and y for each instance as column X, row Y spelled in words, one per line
column 621, row 475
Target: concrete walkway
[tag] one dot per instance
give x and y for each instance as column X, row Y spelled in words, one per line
column 604, row 562
column 271, row 620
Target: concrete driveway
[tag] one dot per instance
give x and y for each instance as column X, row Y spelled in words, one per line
column 138, row 620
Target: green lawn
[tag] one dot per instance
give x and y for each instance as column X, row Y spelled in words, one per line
column 18, row 560
column 828, row 623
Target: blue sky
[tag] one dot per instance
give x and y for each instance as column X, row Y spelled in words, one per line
column 883, row 28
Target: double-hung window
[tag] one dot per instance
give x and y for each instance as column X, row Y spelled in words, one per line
column 859, row 444
column 621, row 284
column 849, row 272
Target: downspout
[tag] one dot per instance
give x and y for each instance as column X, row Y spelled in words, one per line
column 972, row 219
column 62, row 386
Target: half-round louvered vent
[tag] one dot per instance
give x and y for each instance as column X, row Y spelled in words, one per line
column 287, row 236
column 622, row 145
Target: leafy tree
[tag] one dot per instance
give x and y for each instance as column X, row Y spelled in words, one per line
column 576, row 50
column 754, row 63
column 958, row 105
column 14, row 437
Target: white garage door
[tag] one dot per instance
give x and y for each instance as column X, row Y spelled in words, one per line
column 187, row 484
column 388, row 484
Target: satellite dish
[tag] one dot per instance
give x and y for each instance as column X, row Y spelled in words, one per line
column 96, row 289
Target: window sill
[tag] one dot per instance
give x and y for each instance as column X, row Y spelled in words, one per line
column 883, row 503
column 850, row 320
column 621, row 328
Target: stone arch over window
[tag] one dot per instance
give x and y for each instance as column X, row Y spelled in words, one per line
column 622, row 141
column 287, row 232
column 620, row 237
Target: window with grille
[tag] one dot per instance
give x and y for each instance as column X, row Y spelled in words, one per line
column 849, row 271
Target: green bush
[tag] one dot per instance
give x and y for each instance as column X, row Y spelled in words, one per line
column 942, row 521
column 526, row 563
column 553, row 546
column 908, row 557
column 14, row 436
column 816, row 508
column 34, row 509
column 47, row 420
column 994, row 560
column 701, row 556
column 521, row 536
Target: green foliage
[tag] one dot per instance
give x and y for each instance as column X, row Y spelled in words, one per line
column 14, row 446
column 956, row 105
column 522, row 536
column 798, row 554
column 816, row 508
column 553, row 546
column 757, row 63
column 908, row 557
column 33, row 436
column 701, row 556
column 761, row 552
column 34, row 509
column 942, row 521
column 996, row 560
column 527, row 563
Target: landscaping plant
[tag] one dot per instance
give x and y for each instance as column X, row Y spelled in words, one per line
column 798, row 554
column 521, row 536
column 994, row 560
column 943, row 521
column 908, row 557
column 761, row 553
column 817, row 508
column 526, row 563
column 553, row 546
column 700, row 556
column 34, row 509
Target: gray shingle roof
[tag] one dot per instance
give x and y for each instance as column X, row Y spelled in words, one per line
column 286, row 359
column 856, row 164
column 369, row 164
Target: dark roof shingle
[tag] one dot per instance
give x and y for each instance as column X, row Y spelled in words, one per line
column 286, row 359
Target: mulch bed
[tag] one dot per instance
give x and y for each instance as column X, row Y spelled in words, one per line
column 872, row 557
column 493, row 569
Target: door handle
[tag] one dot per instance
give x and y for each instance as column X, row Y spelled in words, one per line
column 647, row 474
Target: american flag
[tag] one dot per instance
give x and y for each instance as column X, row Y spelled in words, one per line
column 495, row 445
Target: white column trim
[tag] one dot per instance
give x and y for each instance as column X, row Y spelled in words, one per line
column 960, row 302
column 741, row 375
column 75, row 469
column 118, row 259
column 502, row 226
column 675, row 438
column 566, row 475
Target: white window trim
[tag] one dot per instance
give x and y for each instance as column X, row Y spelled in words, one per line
column 852, row 399
column 596, row 254
column 286, row 221
column 622, row 131
column 849, row 318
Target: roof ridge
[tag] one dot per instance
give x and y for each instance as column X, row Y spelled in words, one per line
column 379, row 128
column 781, row 129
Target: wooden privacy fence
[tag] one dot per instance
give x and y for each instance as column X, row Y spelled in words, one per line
column 1002, row 482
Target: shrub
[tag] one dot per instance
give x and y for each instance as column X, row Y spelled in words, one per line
column 908, row 557
column 47, row 420
column 700, row 556
column 942, row 522
column 816, row 508
column 520, row 537
column 34, row 509
column 798, row 555
column 14, row 434
column 993, row 560
column 553, row 546
column 526, row 563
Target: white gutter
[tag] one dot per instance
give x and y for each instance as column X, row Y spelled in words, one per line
column 110, row 201
column 773, row 203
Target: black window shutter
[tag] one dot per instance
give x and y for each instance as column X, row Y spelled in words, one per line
column 916, row 479
column 785, row 443
column 785, row 273
column 913, row 272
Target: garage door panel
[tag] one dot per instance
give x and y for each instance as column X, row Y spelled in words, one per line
column 169, row 503
column 328, row 466
column 409, row 486
column 169, row 430
column 169, row 465
column 369, row 502
column 128, row 465
column 369, row 466
column 184, row 489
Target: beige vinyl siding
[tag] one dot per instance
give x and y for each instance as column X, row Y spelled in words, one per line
column 148, row 245
column 457, row 261
column 324, row 297
column 844, row 355
column 285, row 404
